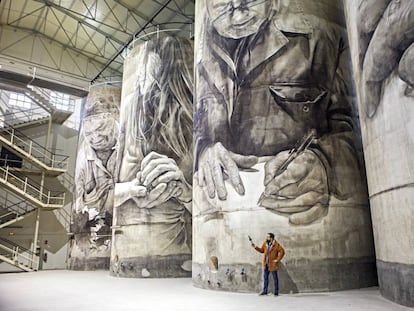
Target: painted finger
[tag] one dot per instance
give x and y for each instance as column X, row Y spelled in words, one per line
column 138, row 191
column 273, row 166
column 211, row 190
column 406, row 68
column 218, row 180
column 151, row 156
column 167, row 177
column 200, row 177
column 287, row 178
column 394, row 33
column 138, row 177
column 167, row 194
column 370, row 13
column 157, row 172
column 244, row 161
column 154, row 164
column 232, row 171
column 156, row 192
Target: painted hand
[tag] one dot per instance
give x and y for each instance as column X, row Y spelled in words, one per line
column 215, row 162
column 157, row 195
column 157, row 169
column 391, row 47
column 300, row 191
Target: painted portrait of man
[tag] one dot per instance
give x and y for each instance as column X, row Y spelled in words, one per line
column 273, row 87
column 94, row 175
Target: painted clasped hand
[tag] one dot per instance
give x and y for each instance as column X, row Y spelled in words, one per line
column 158, row 169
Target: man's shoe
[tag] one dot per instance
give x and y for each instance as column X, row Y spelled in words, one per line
column 263, row 294
column 276, row 294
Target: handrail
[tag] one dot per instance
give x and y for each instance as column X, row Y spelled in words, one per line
column 17, row 209
column 18, row 252
column 34, row 149
column 69, row 105
column 51, row 198
column 46, row 102
column 17, row 109
column 5, row 200
column 8, row 162
column 24, row 165
column 24, row 115
column 26, row 250
column 31, row 181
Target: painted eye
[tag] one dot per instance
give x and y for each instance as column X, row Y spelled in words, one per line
column 222, row 6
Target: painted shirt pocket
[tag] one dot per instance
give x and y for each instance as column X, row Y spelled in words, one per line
column 298, row 101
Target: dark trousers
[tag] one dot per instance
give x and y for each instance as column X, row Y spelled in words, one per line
column 266, row 280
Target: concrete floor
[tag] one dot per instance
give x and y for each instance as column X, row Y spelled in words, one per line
column 61, row 290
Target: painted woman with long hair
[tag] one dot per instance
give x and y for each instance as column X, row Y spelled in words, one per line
column 153, row 194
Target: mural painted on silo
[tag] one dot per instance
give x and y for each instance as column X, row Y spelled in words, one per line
column 381, row 36
column 90, row 247
column 153, row 195
column 276, row 147
column 386, row 30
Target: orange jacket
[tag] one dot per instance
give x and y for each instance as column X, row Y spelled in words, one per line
column 276, row 253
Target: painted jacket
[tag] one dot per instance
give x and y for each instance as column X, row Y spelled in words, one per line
column 94, row 181
column 284, row 81
column 276, row 253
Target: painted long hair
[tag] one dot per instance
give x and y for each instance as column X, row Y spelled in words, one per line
column 161, row 116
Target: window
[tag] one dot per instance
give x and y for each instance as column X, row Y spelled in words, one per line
column 60, row 101
column 20, row 100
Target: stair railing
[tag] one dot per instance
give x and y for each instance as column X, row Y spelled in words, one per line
column 19, row 253
column 33, row 149
column 47, row 197
column 58, row 101
column 18, row 116
column 15, row 210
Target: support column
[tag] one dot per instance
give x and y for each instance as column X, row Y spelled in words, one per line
column 35, row 237
column 95, row 173
column 153, row 193
column 381, row 36
column 277, row 149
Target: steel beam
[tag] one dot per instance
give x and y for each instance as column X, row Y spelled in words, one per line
column 130, row 40
column 83, row 22
column 84, row 53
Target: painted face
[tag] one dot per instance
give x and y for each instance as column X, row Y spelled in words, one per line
column 268, row 238
column 101, row 131
column 238, row 18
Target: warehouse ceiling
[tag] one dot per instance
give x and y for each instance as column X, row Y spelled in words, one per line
column 78, row 42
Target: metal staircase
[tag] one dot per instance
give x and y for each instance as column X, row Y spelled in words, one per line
column 59, row 108
column 29, row 190
column 29, row 196
column 45, row 104
column 18, row 256
column 22, row 145
column 14, row 212
column 20, row 118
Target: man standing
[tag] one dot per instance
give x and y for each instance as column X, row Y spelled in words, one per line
column 273, row 254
